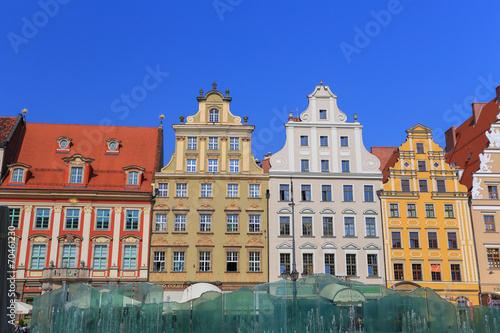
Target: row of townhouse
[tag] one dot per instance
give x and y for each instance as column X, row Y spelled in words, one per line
column 96, row 204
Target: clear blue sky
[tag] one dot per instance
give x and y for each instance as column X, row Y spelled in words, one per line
column 394, row 63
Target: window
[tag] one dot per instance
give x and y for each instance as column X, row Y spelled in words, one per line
column 436, row 272
column 159, row 261
column 284, row 226
column 178, row 262
column 416, row 270
column 304, row 165
column 69, row 256
column 369, row 193
column 206, row 190
column 325, row 165
column 345, row 166
column 414, row 243
column 254, row 190
column 398, row 272
column 232, row 190
column 396, row 240
column 344, row 141
column 231, row 261
column 77, row 175
column 307, row 222
column 330, row 263
column 17, row 175
column 181, row 190
column 38, row 257
column 429, row 210
column 205, row 222
column 448, row 211
column 180, row 223
column 405, row 185
column 42, row 218
column 163, row 190
column 161, row 222
column 489, row 223
column 372, row 264
column 493, row 257
column 492, row 192
column 370, row 227
column 191, row 165
column 455, row 272
column 326, row 193
column 327, row 226
column 133, row 178
column 349, row 226
column 412, row 210
column 304, row 140
column 254, row 223
column 254, row 261
column 213, row 165
column 14, row 214
column 132, row 220
column 433, row 240
column 72, row 218
column 285, row 263
column 100, row 256
column 323, row 141
column 234, row 165
column 322, row 114
column 192, row 143
column 394, row 209
column 350, row 260
column 305, row 192
column 441, row 186
column 420, row 148
column 421, row 166
column 307, row 263
column 213, row 116
column 232, row 223
column 452, row 240
column 284, row 192
column 130, row 257
column 348, row 193
column 234, row 143
column 102, row 219
column 204, row 264
column 422, row 185
column 213, row 143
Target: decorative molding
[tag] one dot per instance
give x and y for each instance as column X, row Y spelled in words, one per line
column 308, row 246
column 130, row 239
column 493, row 136
column 349, row 211
column 101, row 239
column 431, row 223
column 284, row 211
column 159, row 240
column 284, row 246
column 161, row 207
column 351, row 246
column 454, row 255
column 395, row 223
column 254, row 242
column 57, row 209
column 28, row 208
column 232, row 243
column 329, row 245
column 413, row 223
column 180, row 138
column 307, row 210
column 146, row 210
column 179, row 242
column 450, row 223
column 118, row 210
column 372, row 246
column 398, row 254
column 232, row 207
column 370, row 212
column 476, row 188
column 87, row 209
column 434, row 254
column 485, row 159
column 181, row 206
column 326, row 211
column 415, row 254
column 204, row 241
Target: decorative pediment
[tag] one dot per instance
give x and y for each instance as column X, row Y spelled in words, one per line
column 180, row 242
column 307, row 210
column 370, row 212
column 232, row 207
column 77, row 158
column 284, row 246
column 284, row 211
column 232, row 243
column 100, row 239
column 308, row 246
column 255, row 208
column 372, row 246
column 130, row 239
column 329, row 245
column 327, row 211
column 181, row 206
column 206, row 207
column 204, row 241
column 133, row 167
column 351, row 246
column 254, row 242
column 39, row 238
column 349, row 211
column 69, row 238
column 159, row 240
column 161, row 207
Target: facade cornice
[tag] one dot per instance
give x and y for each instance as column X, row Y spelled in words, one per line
column 325, row 175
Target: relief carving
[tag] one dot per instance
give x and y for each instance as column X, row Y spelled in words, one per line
column 476, row 187
column 485, row 159
column 494, row 137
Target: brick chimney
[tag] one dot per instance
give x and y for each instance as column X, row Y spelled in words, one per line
column 476, row 110
column 451, row 138
column 498, row 94
column 266, row 162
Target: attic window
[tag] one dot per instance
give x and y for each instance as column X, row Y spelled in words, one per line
column 133, row 175
column 63, row 143
column 407, row 164
column 213, row 116
column 79, row 169
column 18, row 173
column 113, row 146
column 322, row 114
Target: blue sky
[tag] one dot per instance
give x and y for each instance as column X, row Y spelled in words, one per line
column 394, row 63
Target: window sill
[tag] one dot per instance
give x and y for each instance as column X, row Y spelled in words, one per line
column 371, row 237
column 174, row 272
column 415, row 248
column 179, row 232
column 347, row 236
column 373, row 277
column 396, row 248
column 249, row 272
column 205, row 197
column 486, row 232
column 348, row 201
column 285, row 236
column 326, row 200
column 328, row 236
column 205, row 232
column 126, row 230
column 160, row 231
column 232, row 198
column 254, row 232
column 306, row 236
column 232, row 232
column 183, row 197
column 202, row 272
column 254, row 197
column 231, row 272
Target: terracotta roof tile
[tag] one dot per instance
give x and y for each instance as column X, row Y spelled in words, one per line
column 6, row 125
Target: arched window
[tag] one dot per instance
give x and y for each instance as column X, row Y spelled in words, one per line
column 213, row 116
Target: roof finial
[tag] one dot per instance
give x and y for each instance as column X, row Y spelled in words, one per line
column 227, row 92
column 201, row 92
column 321, row 82
column 214, row 85
column 161, row 119
column 356, row 117
column 24, row 111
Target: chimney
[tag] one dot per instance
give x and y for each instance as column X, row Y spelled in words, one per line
column 476, row 110
column 451, row 138
column 266, row 163
column 498, row 94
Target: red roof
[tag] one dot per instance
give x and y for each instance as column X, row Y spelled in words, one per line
column 6, row 125
column 140, row 146
column 388, row 157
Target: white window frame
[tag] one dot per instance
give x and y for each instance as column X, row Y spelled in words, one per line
column 181, row 190
column 232, row 190
column 254, row 190
column 234, row 143
column 190, row 144
column 191, row 165
column 161, row 222
column 207, row 191
column 234, row 165
column 180, row 223
column 213, row 143
column 213, row 165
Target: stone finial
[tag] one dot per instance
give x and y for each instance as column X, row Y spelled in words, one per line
column 52, row 264
column 321, row 82
column 181, row 118
column 82, row 264
column 227, row 92
column 214, row 85
column 246, row 120
column 201, row 92
column 355, row 117
column 290, row 115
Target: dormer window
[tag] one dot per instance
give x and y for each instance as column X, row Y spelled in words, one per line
column 18, row 173
column 76, row 175
column 113, row 146
column 64, row 144
column 78, row 170
column 133, row 178
column 133, row 175
column 213, row 116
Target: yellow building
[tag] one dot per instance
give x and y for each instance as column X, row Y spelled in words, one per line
column 210, row 215
column 428, row 236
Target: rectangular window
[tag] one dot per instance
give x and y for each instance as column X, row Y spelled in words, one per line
column 441, row 186
column 448, row 211
column 231, row 261
column 232, row 223
column 284, row 226
column 416, row 270
column 405, row 185
column 234, row 143
column 180, row 223
column 192, row 143
column 344, row 141
column 370, row 227
column 38, row 257
column 493, row 257
column 325, row 165
column 304, row 140
column 76, row 175
column 254, row 190
column 394, row 209
column 433, row 240
column 307, row 222
column 455, row 272
column 191, row 165
column 307, row 263
column 489, row 223
column 285, row 263
column 349, row 226
column 350, row 260
column 436, row 272
column 204, row 264
column 72, row 219
column 429, row 210
column 14, row 214
column 133, row 178
column 163, row 190
column 452, row 240
column 234, row 165
column 412, row 210
column 420, row 148
column 421, row 166
column 348, row 193
column 304, row 165
column 181, row 190
column 414, row 241
column 205, row 222
column 213, row 116
column 284, row 192
column 159, row 261
column 323, row 141
column 213, row 165
column 330, row 263
column 305, row 192
column 396, row 240
column 254, row 223
column 398, row 272
column 69, row 256
column 17, row 175
column 322, row 114
column 206, row 190
column 161, row 222
column 492, row 192
column 42, row 218
column 213, row 143
column 368, row 193
column 345, row 166
column 132, row 220
column 178, row 262
column 327, row 226
column 326, row 192
column 232, row 191
column 100, row 256
column 372, row 264
column 422, row 185
column 254, row 261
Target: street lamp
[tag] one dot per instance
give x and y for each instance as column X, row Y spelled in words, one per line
column 294, row 275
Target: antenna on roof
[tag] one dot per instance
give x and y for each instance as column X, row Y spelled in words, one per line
column 297, row 112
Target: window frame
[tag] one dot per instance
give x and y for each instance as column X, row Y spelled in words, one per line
column 254, row 261
column 69, row 220
column 304, row 140
column 348, row 193
column 304, row 165
column 48, row 218
column 323, row 141
column 180, row 222
column 254, row 221
column 213, row 116
column 207, row 191
column 344, row 141
column 213, row 143
column 307, row 226
column 328, row 229
column 191, row 165
column 233, row 191
column 346, row 167
column 160, row 259
column 101, row 258
column 133, row 178
column 232, row 223
column 131, row 220
column 234, row 165
column 326, row 193
column 192, row 145
column 368, row 193
column 163, row 190
column 254, row 191
column 160, row 222
column 489, row 226
column 284, row 225
column 349, row 226
column 325, row 165
column 432, row 242
column 181, row 190
column 305, row 192
column 178, row 261
column 213, row 165
column 129, row 258
column 234, row 145
column 40, row 257
column 204, row 261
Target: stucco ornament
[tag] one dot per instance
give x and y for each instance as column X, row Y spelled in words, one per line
column 493, row 136
column 485, row 159
column 476, row 187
